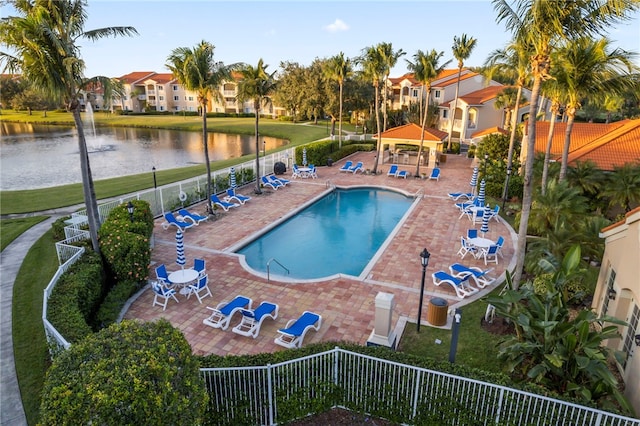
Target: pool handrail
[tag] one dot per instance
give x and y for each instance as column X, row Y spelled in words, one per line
column 281, row 265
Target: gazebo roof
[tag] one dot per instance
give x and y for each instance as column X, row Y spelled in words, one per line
column 412, row 131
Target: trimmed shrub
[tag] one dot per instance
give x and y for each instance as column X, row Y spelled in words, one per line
column 130, row 373
column 112, row 305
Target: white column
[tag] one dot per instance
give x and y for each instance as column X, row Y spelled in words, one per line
column 383, row 334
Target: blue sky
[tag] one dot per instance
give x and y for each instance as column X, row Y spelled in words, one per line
column 296, row 31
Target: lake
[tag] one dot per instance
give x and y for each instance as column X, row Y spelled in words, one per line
column 35, row 156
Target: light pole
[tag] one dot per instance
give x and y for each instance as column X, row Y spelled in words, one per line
column 155, row 187
column 424, row 259
column 130, row 210
column 505, row 194
column 484, row 170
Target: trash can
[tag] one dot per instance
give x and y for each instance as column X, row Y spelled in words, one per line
column 437, row 311
column 279, row 168
column 329, row 162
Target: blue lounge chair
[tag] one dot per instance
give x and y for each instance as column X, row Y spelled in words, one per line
column 455, row 196
column 196, row 218
column 478, row 275
column 274, row 178
column 393, row 170
column 359, row 167
column 293, row 334
column 460, row 285
column 222, row 313
column 269, row 183
column 223, row 204
column 170, row 219
column 233, row 195
column 162, row 294
column 402, row 174
column 346, row 167
column 435, row 174
column 252, row 319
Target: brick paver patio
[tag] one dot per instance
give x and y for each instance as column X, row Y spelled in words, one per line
column 346, row 304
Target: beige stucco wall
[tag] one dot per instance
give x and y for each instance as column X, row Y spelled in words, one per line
column 622, row 254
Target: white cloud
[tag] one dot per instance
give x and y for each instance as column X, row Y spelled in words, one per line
column 270, row 33
column 337, row 26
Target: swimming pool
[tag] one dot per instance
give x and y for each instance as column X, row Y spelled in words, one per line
column 338, row 234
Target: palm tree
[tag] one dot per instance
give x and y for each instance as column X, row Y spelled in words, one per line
column 540, row 24
column 587, row 67
column 462, row 48
column 389, row 60
column 507, row 99
column 551, row 90
column 43, row 36
column 196, row 71
column 339, row 69
column 257, row 85
column 373, row 69
column 514, row 61
column 623, row 186
column 426, row 69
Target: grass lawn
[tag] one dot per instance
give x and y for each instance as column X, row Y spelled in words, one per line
column 29, row 342
column 67, row 195
column 10, row 229
column 476, row 347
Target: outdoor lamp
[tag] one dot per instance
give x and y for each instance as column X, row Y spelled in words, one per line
column 155, row 184
column 612, row 294
column 424, row 260
column 130, row 210
column 486, row 158
column 637, row 339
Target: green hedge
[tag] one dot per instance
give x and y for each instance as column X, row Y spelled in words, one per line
column 116, row 298
column 75, row 299
column 319, row 152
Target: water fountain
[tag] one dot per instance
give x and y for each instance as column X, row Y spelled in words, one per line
column 90, row 130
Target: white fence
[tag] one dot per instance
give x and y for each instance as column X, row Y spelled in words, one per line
column 281, row 392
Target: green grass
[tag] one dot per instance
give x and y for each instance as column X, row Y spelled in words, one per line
column 29, row 342
column 10, row 229
column 477, row 348
column 67, row 195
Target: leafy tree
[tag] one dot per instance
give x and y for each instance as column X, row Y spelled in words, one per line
column 588, row 67
column 462, row 48
column 539, row 25
column 291, row 93
column 10, row 87
column 338, row 68
column 196, row 71
column 44, row 36
column 426, row 69
column 257, row 85
column 128, row 373
column 30, row 99
column 551, row 347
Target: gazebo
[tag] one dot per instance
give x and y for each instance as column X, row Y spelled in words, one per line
column 409, row 134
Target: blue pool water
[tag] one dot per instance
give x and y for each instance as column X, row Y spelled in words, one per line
column 340, row 233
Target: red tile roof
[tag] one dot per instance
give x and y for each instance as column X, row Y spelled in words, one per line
column 412, row 131
column 162, row 78
column 489, row 131
column 483, row 95
column 136, row 76
column 445, row 78
column 621, row 222
column 606, row 145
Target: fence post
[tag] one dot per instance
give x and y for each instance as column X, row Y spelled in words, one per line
column 336, row 352
column 270, row 393
column 416, row 394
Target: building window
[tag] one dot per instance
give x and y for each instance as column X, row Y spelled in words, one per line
column 610, row 282
column 190, row 98
column 161, row 108
column 160, row 87
column 175, row 87
column 176, row 108
column 630, row 338
column 176, row 98
column 415, row 93
column 437, row 94
column 162, row 98
column 445, row 113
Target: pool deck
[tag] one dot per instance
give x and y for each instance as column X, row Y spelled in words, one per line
column 347, row 305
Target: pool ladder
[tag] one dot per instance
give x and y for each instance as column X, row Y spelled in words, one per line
column 329, row 184
column 269, row 265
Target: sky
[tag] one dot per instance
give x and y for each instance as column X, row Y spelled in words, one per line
column 295, row 31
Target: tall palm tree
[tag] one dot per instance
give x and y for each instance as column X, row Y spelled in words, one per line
column 426, row 69
column 588, row 67
column 462, row 48
column 622, row 187
column 551, row 91
column 539, row 24
column 43, row 36
column 506, row 100
column 389, row 60
column 257, row 85
column 373, row 69
column 513, row 61
column 196, row 71
column 339, row 69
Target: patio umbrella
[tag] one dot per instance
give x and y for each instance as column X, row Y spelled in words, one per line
column 180, row 260
column 232, row 177
column 485, row 220
column 474, row 180
column 304, row 157
column 481, row 194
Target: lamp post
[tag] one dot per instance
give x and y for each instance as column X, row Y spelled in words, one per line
column 130, row 210
column 484, row 170
column 424, row 259
column 155, row 187
column 505, row 194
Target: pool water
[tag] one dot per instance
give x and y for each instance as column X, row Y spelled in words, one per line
column 339, row 233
